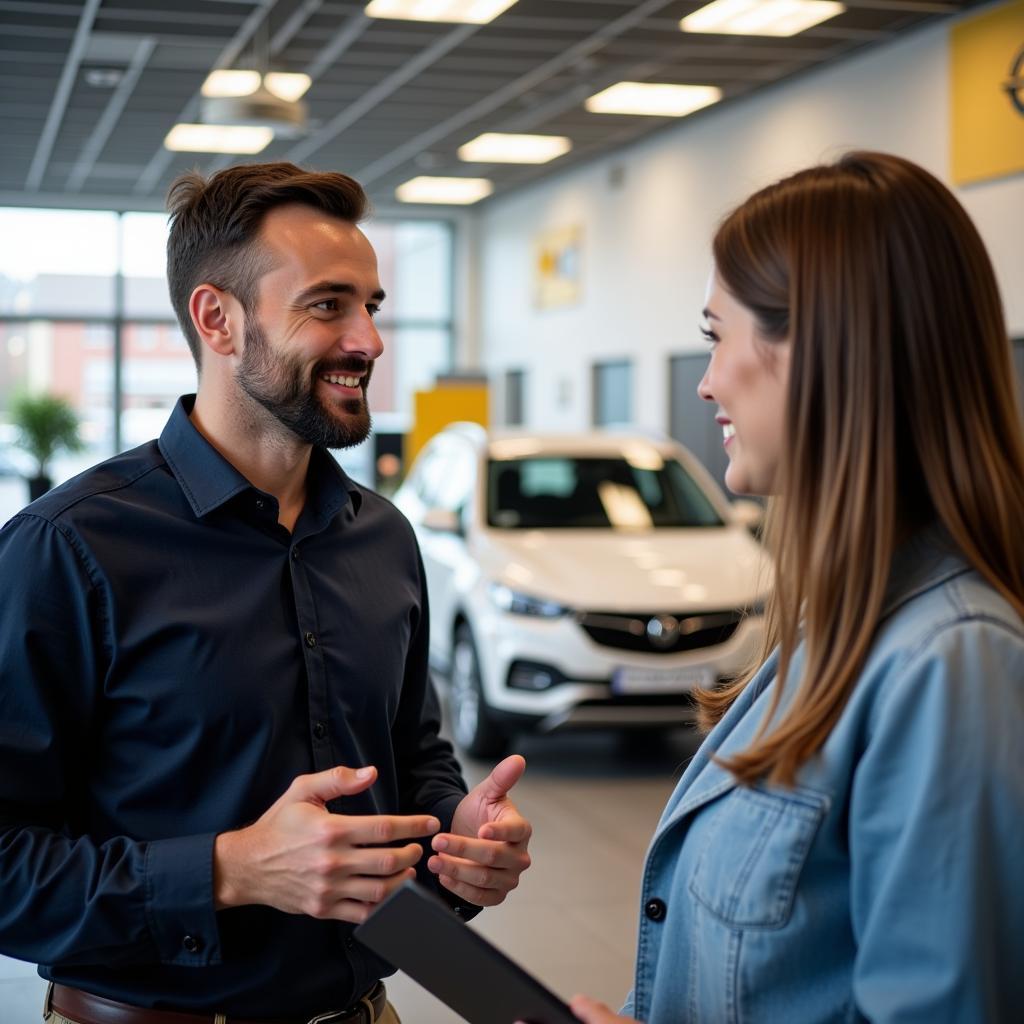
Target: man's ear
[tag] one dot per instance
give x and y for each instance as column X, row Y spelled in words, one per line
column 217, row 316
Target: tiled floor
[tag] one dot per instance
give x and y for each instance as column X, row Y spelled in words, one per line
column 593, row 800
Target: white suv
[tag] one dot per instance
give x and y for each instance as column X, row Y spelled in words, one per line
column 590, row 579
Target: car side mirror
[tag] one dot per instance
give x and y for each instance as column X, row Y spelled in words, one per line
column 442, row 520
column 749, row 514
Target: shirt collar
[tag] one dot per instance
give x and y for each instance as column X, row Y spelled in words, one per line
column 208, row 480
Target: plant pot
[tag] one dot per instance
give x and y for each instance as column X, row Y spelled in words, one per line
column 38, row 486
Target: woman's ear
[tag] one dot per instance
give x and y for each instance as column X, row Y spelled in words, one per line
column 217, row 319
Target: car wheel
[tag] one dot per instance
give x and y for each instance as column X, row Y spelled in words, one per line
column 475, row 731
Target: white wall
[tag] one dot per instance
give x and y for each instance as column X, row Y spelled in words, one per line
column 645, row 251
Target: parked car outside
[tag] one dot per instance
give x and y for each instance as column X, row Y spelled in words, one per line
column 579, row 580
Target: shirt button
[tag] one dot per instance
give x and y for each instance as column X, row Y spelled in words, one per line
column 319, row 730
column 350, row 943
column 191, row 944
column 295, row 554
column 655, row 909
column 311, row 640
column 259, row 503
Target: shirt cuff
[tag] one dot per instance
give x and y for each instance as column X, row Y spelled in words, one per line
column 179, row 901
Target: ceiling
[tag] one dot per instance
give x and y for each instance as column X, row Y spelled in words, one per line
column 389, row 100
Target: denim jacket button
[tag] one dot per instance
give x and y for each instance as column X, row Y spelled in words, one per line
column 655, row 909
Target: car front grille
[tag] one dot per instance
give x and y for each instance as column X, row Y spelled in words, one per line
column 660, row 634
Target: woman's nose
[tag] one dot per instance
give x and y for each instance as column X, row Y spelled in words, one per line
column 704, row 387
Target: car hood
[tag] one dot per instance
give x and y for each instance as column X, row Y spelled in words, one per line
column 609, row 570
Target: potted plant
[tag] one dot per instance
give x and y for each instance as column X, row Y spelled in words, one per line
column 46, row 424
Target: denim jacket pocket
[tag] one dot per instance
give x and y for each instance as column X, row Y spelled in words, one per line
column 747, row 871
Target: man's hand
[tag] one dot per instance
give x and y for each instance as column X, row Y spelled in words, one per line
column 590, row 1011
column 482, row 857
column 300, row 858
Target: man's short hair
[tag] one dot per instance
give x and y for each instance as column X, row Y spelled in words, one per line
column 215, row 222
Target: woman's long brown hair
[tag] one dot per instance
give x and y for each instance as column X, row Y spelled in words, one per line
column 901, row 411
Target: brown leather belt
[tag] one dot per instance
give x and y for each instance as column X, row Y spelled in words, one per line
column 85, row 1008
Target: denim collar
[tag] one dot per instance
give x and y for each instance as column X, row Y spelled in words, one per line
column 926, row 560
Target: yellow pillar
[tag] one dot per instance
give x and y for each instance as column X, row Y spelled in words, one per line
column 446, row 403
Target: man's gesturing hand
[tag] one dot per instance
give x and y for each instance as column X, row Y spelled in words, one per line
column 483, row 856
column 300, row 858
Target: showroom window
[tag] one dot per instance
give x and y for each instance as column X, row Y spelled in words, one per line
column 613, row 393
column 85, row 314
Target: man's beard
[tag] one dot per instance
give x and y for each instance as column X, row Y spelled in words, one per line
column 280, row 386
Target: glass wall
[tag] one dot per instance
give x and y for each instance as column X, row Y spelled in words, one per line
column 85, row 314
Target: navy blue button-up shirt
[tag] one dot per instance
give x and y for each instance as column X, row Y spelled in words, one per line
column 171, row 658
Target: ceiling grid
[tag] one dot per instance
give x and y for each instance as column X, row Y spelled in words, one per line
column 90, row 88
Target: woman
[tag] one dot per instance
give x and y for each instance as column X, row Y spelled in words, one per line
column 848, row 844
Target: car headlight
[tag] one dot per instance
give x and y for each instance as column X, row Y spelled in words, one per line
column 509, row 600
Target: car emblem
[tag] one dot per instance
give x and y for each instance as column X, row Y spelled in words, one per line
column 663, row 631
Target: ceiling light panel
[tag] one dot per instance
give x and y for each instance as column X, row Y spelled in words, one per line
column 453, row 191
column 225, row 83
column 287, row 86
column 464, row 11
column 760, row 17
column 218, row 138
column 470, row 12
column 653, row 99
column 503, row 148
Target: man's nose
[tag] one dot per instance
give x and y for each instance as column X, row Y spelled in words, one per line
column 363, row 337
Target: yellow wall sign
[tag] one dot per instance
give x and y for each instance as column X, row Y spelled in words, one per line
column 987, row 94
column 556, row 268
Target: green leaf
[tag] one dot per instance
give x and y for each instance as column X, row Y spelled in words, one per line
column 46, row 425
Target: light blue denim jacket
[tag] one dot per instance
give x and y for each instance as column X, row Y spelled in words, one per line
column 888, row 885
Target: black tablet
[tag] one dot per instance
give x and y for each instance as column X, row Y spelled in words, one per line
column 417, row 932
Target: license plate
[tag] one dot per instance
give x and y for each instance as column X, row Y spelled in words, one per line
column 660, row 680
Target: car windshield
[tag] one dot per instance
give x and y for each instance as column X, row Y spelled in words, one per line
column 570, row 492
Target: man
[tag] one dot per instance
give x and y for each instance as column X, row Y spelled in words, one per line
column 218, row 741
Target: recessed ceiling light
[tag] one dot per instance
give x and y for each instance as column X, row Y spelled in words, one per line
column 227, row 82
column 503, row 148
column 654, row 99
column 471, row 12
column 760, row 17
column 461, row 191
column 218, row 138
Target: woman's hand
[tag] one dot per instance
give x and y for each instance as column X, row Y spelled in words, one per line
column 590, row 1011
